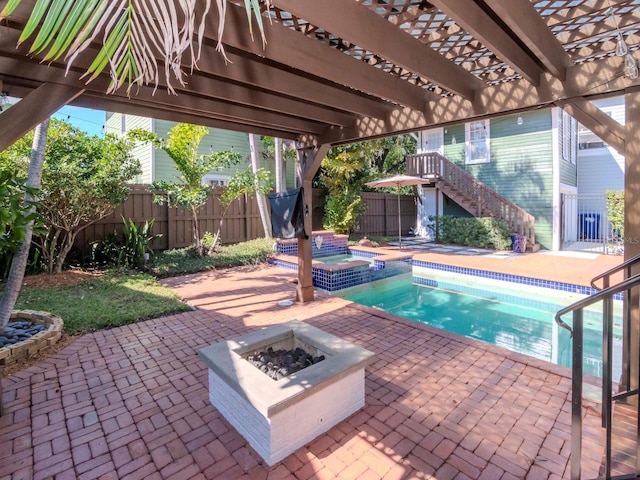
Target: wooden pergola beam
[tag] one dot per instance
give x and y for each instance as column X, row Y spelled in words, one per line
column 264, row 76
column 295, row 50
column 605, row 127
column 474, row 20
column 354, row 22
column 123, row 106
column 205, row 89
column 185, row 103
column 522, row 17
column 32, row 110
column 586, row 78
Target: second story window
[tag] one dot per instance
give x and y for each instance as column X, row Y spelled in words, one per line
column 477, row 142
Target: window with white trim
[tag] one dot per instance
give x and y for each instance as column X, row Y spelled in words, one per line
column 477, row 142
column 216, row 180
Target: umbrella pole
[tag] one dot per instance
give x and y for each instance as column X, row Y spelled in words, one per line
column 399, row 220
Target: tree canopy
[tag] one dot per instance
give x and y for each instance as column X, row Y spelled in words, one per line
column 346, row 170
column 188, row 191
column 84, row 178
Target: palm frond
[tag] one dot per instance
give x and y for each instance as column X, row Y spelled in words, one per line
column 135, row 36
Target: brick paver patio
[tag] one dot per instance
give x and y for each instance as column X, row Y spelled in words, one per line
column 132, row 402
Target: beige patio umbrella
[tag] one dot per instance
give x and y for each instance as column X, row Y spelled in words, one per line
column 398, row 181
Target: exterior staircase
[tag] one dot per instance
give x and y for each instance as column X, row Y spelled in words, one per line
column 471, row 194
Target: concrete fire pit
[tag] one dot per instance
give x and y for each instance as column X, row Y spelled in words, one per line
column 277, row 417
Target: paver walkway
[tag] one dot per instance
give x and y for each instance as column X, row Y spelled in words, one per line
column 132, row 402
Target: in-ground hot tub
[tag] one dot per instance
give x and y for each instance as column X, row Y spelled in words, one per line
column 277, row 417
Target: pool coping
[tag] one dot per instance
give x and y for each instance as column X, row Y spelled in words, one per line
column 508, row 277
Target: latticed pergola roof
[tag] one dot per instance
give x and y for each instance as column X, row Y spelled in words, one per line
column 336, row 71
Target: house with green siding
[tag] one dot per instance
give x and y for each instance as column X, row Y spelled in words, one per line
column 157, row 165
column 528, row 158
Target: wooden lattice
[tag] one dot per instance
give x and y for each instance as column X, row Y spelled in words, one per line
column 587, row 30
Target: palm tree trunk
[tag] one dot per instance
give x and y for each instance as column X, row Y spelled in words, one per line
column 262, row 201
column 19, row 262
column 280, row 174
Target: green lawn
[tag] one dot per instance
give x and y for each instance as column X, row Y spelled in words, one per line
column 182, row 261
column 102, row 302
column 120, row 297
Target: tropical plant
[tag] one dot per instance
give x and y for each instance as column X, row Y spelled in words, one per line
column 137, row 241
column 244, row 182
column 346, row 169
column 15, row 214
column 615, row 211
column 189, row 192
column 19, row 261
column 128, row 249
column 84, row 179
column 343, row 175
column 140, row 40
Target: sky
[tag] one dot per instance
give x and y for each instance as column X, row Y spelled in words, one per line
column 87, row 119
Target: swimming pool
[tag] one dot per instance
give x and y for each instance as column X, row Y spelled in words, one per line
column 517, row 317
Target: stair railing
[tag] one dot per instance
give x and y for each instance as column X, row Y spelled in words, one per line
column 626, row 268
column 577, row 333
column 606, row 276
column 488, row 202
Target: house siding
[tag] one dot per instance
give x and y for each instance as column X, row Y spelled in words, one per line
column 143, row 152
column 568, row 173
column 157, row 165
column 601, row 169
column 521, row 166
column 215, row 141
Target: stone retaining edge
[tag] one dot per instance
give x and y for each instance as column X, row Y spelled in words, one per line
column 37, row 342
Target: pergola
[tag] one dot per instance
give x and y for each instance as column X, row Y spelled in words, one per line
column 338, row 71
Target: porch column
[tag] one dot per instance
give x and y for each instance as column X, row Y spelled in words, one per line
column 309, row 160
column 632, row 218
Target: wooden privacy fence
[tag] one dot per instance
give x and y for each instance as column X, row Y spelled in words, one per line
column 242, row 221
column 382, row 214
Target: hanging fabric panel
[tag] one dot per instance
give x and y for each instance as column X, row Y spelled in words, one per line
column 287, row 214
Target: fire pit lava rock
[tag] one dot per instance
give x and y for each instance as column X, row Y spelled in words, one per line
column 279, row 416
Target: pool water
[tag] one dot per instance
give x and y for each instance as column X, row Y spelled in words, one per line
column 502, row 316
column 334, row 259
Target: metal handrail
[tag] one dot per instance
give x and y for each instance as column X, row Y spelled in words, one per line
column 577, row 334
column 605, row 276
column 595, row 298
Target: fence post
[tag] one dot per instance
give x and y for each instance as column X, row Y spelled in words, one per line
column 171, row 227
column 245, row 213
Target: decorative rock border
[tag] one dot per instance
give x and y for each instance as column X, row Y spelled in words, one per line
column 11, row 353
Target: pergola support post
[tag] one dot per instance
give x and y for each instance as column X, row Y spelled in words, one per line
column 632, row 225
column 309, row 160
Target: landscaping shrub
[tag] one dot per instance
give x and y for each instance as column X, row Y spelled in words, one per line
column 615, row 211
column 473, row 232
column 127, row 249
